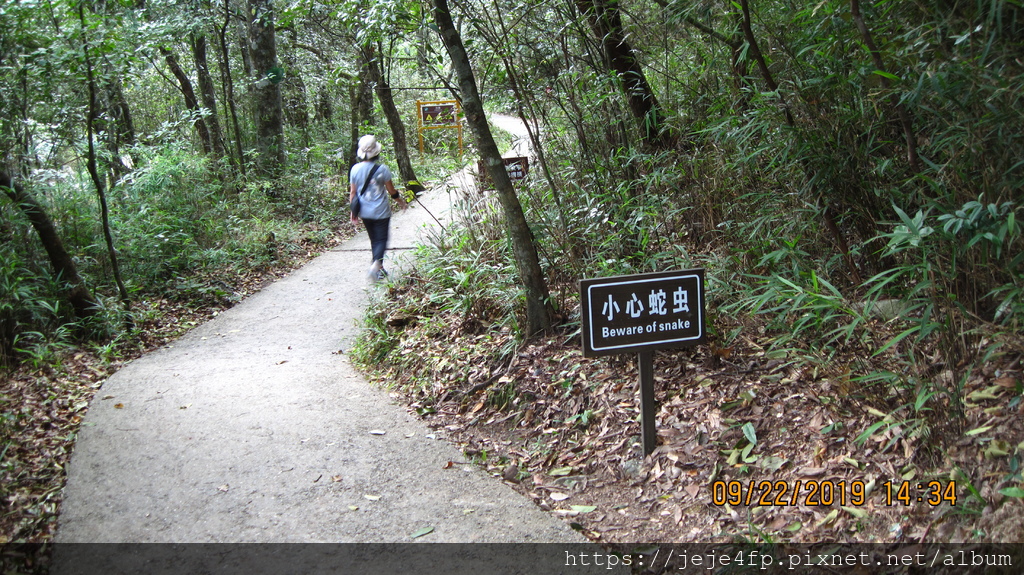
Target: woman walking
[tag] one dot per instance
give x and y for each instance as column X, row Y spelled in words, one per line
column 371, row 183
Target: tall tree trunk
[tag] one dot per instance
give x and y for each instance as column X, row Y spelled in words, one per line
column 228, row 86
column 575, row 115
column 387, row 104
column 123, row 132
column 294, row 93
column 740, row 65
column 191, row 101
column 22, row 128
column 606, row 21
column 244, row 39
column 361, row 96
column 209, row 96
column 762, row 64
column 64, row 268
column 538, row 310
column 354, row 126
column 94, row 172
column 324, row 113
column 268, row 74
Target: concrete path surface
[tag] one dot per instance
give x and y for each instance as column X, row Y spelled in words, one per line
column 254, row 428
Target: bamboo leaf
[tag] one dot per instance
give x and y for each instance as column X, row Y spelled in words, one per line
column 887, row 75
column 421, row 532
column 749, row 433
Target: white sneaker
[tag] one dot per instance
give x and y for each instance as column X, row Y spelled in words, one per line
column 375, row 269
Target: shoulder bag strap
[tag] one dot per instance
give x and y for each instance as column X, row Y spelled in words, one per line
column 368, row 178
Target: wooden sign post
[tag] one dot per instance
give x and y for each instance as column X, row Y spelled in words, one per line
column 640, row 314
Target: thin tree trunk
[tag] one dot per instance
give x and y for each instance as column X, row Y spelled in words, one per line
column 528, row 116
column 394, row 118
column 740, row 67
column 575, row 115
column 524, row 103
column 209, row 96
column 229, row 88
column 23, row 128
column 244, row 41
column 538, row 310
column 123, row 132
column 294, row 93
column 606, row 21
column 762, row 64
column 735, row 44
column 354, row 127
column 93, row 169
column 191, row 101
column 361, row 95
column 78, row 295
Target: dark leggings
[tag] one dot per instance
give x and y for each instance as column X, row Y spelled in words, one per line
column 378, row 232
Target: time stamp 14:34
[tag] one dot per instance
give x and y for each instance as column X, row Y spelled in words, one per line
column 829, row 492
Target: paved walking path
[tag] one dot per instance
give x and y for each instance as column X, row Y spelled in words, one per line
column 254, row 428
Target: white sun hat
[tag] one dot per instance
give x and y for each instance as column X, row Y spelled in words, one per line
column 368, row 148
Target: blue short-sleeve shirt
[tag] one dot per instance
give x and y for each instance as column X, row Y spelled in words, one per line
column 374, row 203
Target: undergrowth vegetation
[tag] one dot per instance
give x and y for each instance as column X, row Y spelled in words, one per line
column 180, row 234
column 857, row 224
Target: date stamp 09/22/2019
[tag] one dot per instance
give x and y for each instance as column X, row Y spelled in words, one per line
column 829, row 492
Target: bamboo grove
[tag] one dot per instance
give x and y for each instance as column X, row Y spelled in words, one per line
column 834, row 157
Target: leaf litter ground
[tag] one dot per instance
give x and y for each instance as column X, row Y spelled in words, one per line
column 564, row 430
